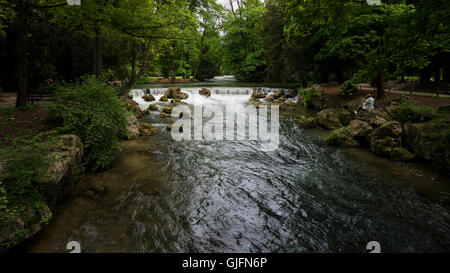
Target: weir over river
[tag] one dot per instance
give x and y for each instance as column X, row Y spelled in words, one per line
column 229, row 196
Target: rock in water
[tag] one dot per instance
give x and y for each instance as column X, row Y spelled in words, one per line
column 164, row 99
column 375, row 118
column 168, row 110
column 359, row 128
column 147, row 129
column 306, row 123
column 400, row 154
column 205, row 92
column 152, row 107
column 342, row 137
column 148, row 97
column 276, row 95
column 175, row 93
column 430, row 141
column 329, row 119
column 386, row 138
column 256, row 95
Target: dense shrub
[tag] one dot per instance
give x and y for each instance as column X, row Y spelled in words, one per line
column 92, row 111
column 348, row 88
column 409, row 111
column 308, row 94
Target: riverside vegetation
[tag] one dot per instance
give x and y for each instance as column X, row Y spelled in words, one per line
column 89, row 121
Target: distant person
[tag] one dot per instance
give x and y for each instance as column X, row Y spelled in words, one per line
column 369, row 104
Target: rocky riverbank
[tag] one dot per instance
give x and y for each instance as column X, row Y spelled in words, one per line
column 385, row 131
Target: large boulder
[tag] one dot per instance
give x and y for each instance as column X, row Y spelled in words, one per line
column 256, row 95
column 152, row 107
column 175, row 93
column 342, row 137
column 354, row 104
column 65, row 157
column 359, row 128
column 205, row 92
column 331, row 118
column 64, row 169
column 386, row 138
column 133, row 126
column 276, row 95
column 168, row 110
column 375, row 118
column 164, row 99
column 148, row 97
column 401, row 154
column 430, row 142
column 305, row 122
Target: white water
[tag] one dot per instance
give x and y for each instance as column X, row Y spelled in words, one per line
column 236, row 96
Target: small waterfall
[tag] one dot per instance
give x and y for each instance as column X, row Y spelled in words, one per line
column 215, row 91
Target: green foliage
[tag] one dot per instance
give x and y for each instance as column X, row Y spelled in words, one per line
column 348, row 88
column 92, row 111
column 243, row 52
column 24, row 164
column 414, row 113
column 308, row 94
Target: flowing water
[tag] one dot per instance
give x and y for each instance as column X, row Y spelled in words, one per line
column 229, row 196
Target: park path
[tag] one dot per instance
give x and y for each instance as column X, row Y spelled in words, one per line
column 367, row 87
column 7, row 99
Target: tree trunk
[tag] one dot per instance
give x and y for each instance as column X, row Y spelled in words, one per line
column 437, row 75
column 97, row 54
column 200, row 56
column 446, row 75
column 425, row 77
column 379, row 84
column 174, row 72
column 22, row 59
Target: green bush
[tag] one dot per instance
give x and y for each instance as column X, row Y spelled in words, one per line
column 309, row 94
column 348, row 88
column 92, row 111
column 409, row 111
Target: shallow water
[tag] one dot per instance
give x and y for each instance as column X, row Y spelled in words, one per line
column 223, row 196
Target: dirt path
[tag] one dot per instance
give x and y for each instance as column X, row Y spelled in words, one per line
column 420, row 98
column 7, row 99
column 367, row 87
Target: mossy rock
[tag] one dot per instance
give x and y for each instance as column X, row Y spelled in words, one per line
column 305, row 122
column 168, row 110
column 148, row 98
column 329, row 119
column 400, row 154
column 386, row 138
column 147, row 129
column 431, row 142
column 152, row 107
column 342, row 137
column 165, row 115
column 359, row 128
column 164, row 99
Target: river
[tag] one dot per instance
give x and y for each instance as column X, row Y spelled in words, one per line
column 230, row 196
